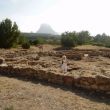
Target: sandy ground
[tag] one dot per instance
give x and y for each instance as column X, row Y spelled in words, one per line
column 25, row 95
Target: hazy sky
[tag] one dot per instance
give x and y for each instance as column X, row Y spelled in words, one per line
column 62, row 15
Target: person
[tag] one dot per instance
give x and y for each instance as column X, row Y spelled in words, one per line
column 64, row 64
column 86, row 56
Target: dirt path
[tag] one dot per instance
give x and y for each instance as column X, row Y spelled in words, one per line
column 25, row 95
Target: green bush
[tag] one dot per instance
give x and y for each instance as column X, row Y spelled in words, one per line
column 22, row 39
column 68, row 40
column 97, row 44
column 35, row 42
column 107, row 45
column 26, row 45
column 38, row 41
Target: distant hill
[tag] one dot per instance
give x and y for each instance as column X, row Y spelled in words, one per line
column 33, row 36
column 46, row 29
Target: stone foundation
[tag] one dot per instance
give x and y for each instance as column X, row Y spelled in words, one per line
column 96, row 83
column 78, row 54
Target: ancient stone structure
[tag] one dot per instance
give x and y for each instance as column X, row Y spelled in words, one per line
column 83, row 73
column 97, row 83
column 2, row 60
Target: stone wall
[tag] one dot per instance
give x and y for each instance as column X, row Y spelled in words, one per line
column 78, row 54
column 96, row 83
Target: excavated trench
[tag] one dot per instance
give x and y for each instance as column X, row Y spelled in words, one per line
column 45, row 67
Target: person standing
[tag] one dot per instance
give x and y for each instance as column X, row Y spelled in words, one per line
column 64, row 64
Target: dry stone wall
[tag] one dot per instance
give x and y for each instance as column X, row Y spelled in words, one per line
column 96, row 83
column 78, row 54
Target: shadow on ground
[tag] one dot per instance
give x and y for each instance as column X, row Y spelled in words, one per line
column 88, row 94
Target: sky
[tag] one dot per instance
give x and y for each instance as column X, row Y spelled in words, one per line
column 61, row 15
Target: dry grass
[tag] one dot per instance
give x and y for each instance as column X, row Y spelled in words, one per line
column 25, row 95
column 90, row 47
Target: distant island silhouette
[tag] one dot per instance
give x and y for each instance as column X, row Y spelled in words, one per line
column 46, row 29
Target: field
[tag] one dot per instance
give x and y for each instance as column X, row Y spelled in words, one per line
column 23, row 94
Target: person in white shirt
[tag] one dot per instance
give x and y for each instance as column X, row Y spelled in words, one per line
column 64, row 64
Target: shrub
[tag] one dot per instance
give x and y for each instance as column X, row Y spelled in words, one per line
column 22, row 39
column 107, row 45
column 35, row 42
column 26, row 45
column 38, row 41
column 68, row 40
column 97, row 44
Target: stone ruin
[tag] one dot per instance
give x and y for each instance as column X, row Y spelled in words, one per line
column 45, row 66
column 2, row 60
column 98, row 83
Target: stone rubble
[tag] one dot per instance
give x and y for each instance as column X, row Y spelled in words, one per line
column 46, row 66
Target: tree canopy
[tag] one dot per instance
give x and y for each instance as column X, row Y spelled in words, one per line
column 68, row 39
column 9, row 33
column 71, row 39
